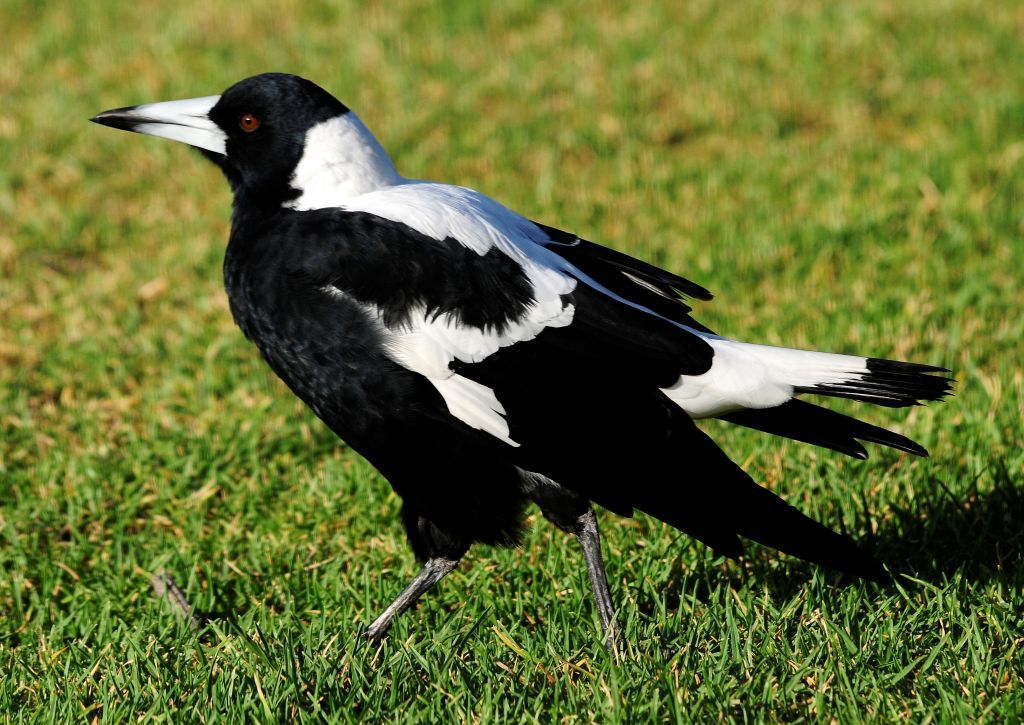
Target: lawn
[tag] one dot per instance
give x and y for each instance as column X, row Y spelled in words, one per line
column 847, row 177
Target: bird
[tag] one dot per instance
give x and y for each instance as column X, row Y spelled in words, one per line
column 484, row 362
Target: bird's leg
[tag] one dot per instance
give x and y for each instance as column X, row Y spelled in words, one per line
column 589, row 537
column 432, row 572
column 573, row 514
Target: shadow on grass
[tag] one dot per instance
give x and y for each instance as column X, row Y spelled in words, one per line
column 977, row 534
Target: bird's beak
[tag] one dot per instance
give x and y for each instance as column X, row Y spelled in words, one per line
column 187, row 121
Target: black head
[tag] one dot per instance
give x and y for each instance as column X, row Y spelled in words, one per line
column 255, row 130
column 265, row 119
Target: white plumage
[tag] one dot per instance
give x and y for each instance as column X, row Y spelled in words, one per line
column 748, row 376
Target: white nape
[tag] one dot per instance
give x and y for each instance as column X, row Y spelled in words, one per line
column 341, row 160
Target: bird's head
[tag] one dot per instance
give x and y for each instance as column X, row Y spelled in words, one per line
column 277, row 137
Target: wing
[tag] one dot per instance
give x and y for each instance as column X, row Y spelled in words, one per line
column 661, row 292
column 451, row 277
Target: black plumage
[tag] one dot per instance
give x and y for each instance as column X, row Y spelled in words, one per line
column 482, row 361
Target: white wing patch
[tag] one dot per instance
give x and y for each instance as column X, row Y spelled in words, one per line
column 427, row 344
column 441, row 211
column 475, row 405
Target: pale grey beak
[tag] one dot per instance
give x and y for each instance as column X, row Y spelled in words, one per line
column 187, row 121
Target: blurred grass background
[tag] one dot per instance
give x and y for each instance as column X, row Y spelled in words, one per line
column 847, row 177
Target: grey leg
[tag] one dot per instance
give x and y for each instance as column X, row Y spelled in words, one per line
column 590, row 539
column 432, row 572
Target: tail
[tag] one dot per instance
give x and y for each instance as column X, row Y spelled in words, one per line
column 819, row 426
column 771, row 521
column 756, row 385
column 720, row 503
column 744, row 376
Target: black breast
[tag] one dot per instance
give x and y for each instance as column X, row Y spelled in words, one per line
column 325, row 347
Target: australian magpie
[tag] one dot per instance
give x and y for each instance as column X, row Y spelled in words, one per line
column 482, row 361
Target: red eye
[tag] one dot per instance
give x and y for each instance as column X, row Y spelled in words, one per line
column 248, row 122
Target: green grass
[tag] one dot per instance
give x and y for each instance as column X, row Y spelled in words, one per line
column 845, row 176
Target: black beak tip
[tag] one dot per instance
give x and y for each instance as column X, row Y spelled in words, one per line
column 117, row 118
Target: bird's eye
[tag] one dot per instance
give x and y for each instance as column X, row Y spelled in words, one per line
column 248, row 122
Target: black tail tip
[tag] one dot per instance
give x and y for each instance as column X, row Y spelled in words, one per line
column 914, row 382
column 881, row 365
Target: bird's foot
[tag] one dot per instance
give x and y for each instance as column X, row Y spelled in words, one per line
column 433, row 571
column 375, row 633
